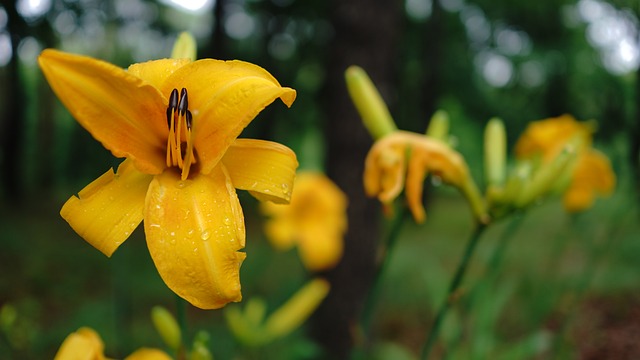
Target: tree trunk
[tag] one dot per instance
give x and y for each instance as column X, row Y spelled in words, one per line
column 365, row 35
column 12, row 121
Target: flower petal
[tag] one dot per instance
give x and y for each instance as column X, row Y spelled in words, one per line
column 224, row 96
column 123, row 112
column 156, row 72
column 148, row 354
column 321, row 249
column 547, row 137
column 280, row 231
column 194, row 230
column 384, row 171
column 592, row 175
column 265, row 168
column 107, row 211
column 82, row 344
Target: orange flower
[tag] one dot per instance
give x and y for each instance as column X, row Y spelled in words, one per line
column 590, row 173
column 176, row 122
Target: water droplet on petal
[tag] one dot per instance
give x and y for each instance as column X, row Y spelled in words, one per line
column 205, row 235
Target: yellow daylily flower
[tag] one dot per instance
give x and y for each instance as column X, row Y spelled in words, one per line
column 315, row 221
column 403, row 159
column 176, row 122
column 86, row 344
column 589, row 174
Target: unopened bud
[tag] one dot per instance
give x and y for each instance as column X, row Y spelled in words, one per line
column 184, row 47
column 167, row 327
column 495, row 147
column 297, row 309
column 372, row 109
column 439, row 126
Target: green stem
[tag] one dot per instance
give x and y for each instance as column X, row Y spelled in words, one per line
column 453, row 288
column 181, row 314
column 374, row 291
column 495, row 262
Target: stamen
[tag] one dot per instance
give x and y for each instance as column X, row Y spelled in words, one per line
column 188, row 120
column 179, row 116
column 184, row 102
column 173, row 103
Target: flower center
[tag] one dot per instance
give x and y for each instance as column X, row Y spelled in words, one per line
column 180, row 142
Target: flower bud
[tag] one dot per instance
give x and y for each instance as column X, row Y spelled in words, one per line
column 184, row 47
column 372, row 109
column 439, row 126
column 297, row 309
column 167, row 327
column 495, row 148
column 546, row 176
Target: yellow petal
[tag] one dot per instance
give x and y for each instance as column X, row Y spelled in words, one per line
column 416, row 174
column 107, row 211
column 84, row 344
column 148, row 354
column 592, row 175
column 124, row 113
column 156, row 72
column 280, row 231
column 194, row 230
column 316, row 220
column 547, row 137
column 224, row 96
column 265, row 168
column 321, row 248
column 384, row 172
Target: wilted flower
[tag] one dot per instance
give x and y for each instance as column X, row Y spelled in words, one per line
column 403, row 160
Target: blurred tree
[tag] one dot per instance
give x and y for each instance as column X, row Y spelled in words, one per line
column 12, row 121
column 366, row 34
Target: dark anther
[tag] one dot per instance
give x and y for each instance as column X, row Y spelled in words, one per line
column 188, row 119
column 173, row 99
column 184, row 102
column 173, row 103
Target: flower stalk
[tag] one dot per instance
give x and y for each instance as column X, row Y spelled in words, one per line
column 454, row 286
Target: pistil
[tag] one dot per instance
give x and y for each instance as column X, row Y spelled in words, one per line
column 179, row 121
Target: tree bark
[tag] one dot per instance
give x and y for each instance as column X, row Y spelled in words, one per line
column 365, row 35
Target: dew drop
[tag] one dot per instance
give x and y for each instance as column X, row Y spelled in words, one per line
column 180, row 184
column 205, row 235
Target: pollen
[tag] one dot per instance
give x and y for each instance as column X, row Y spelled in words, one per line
column 180, row 140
